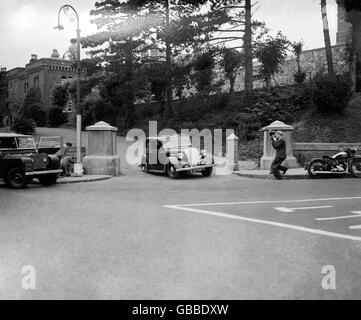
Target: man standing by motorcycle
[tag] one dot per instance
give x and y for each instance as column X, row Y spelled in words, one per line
column 280, row 145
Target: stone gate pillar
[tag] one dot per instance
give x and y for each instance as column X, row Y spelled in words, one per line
column 101, row 151
column 232, row 152
column 269, row 152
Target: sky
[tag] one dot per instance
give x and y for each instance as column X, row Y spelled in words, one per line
column 26, row 26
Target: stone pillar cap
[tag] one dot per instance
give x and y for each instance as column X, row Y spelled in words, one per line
column 232, row 137
column 278, row 125
column 101, row 126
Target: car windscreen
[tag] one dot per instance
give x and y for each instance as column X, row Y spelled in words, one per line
column 26, row 143
column 177, row 141
column 7, row 143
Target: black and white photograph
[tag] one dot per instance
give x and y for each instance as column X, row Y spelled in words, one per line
column 180, row 150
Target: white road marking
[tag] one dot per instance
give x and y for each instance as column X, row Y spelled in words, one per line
column 266, row 202
column 355, row 227
column 265, row 222
column 356, row 214
column 291, row 210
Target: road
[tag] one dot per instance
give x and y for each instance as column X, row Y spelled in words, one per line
column 143, row 236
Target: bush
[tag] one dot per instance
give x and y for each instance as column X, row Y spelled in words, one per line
column 331, row 93
column 299, row 77
column 37, row 113
column 56, row 117
column 283, row 104
column 24, row 125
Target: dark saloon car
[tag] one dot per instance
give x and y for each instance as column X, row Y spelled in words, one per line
column 174, row 155
column 20, row 162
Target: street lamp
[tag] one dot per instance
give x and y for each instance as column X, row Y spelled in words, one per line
column 73, row 15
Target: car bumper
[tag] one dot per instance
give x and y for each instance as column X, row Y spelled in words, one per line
column 39, row 173
column 196, row 168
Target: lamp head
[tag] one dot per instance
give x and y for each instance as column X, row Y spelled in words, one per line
column 59, row 27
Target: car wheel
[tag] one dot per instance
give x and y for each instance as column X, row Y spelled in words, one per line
column 207, row 172
column 171, row 172
column 16, row 178
column 48, row 180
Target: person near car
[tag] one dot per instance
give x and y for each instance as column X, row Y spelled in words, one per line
column 279, row 144
column 66, row 162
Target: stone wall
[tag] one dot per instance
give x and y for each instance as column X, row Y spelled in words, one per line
column 305, row 152
column 312, row 62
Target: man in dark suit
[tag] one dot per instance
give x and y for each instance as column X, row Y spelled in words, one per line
column 280, row 145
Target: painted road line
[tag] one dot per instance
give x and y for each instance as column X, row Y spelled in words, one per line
column 355, row 227
column 266, row 222
column 291, row 210
column 266, row 202
column 356, row 214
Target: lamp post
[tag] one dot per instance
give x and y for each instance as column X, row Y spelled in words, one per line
column 73, row 14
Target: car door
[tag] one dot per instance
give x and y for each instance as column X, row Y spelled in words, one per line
column 151, row 154
column 162, row 156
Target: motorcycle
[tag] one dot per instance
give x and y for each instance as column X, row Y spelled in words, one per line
column 339, row 164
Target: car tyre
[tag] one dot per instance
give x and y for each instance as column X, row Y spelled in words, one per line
column 207, row 172
column 16, row 178
column 171, row 172
column 48, row 180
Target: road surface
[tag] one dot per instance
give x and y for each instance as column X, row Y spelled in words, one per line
column 144, row 236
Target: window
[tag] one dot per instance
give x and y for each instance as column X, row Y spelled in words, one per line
column 7, row 143
column 36, row 81
column 26, row 87
column 69, row 107
column 63, row 80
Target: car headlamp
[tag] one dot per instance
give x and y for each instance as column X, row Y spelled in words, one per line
column 180, row 156
column 203, row 153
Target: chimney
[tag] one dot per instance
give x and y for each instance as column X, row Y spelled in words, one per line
column 3, row 69
column 34, row 57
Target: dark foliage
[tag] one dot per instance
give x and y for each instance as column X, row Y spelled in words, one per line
column 331, row 93
column 60, row 96
column 299, row 77
column 24, row 125
column 56, row 116
column 33, row 107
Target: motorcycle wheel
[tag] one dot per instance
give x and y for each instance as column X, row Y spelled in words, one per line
column 316, row 165
column 355, row 168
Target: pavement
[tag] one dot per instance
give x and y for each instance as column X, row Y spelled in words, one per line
column 292, row 174
column 85, row 178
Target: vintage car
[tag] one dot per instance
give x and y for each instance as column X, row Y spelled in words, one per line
column 21, row 161
column 174, row 155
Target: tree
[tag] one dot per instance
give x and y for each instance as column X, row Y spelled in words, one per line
column 326, row 33
column 231, row 62
column 248, row 50
column 353, row 16
column 154, row 73
column 271, row 53
column 203, row 73
column 299, row 76
column 134, row 27
column 13, row 109
column 241, row 28
column 60, row 96
column 33, row 107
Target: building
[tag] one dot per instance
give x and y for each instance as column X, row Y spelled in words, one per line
column 3, row 83
column 44, row 73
